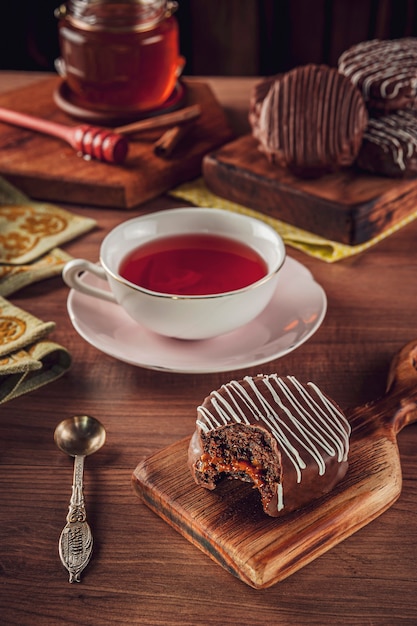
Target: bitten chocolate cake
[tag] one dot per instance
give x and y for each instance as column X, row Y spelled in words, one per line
column 312, row 121
column 384, row 70
column 287, row 438
column 390, row 145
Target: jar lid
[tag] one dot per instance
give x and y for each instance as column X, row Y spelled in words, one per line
column 116, row 14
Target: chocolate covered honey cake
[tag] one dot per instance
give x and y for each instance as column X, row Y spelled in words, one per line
column 311, row 121
column 389, row 146
column 384, row 70
column 287, row 438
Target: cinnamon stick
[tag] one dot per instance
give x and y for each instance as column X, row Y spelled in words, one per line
column 176, row 117
column 167, row 143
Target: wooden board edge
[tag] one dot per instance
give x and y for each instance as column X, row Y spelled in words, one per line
column 198, row 540
column 224, row 180
column 45, row 191
column 351, row 224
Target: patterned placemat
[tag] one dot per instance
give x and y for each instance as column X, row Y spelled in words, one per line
column 30, row 236
column 30, row 233
column 197, row 193
column 28, row 358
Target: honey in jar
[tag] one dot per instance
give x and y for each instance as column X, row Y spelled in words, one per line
column 119, row 54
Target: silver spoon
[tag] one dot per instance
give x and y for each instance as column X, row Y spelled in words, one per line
column 77, row 436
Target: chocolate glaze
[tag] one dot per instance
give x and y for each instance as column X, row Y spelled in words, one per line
column 384, row 70
column 390, row 145
column 258, row 95
column 312, row 121
column 286, row 437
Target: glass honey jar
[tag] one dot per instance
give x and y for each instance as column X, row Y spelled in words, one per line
column 119, row 54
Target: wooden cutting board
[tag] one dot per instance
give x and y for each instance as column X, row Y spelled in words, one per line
column 228, row 524
column 49, row 169
column 349, row 206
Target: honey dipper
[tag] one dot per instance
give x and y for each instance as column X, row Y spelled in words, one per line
column 98, row 143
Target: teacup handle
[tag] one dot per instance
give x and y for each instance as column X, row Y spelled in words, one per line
column 72, row 276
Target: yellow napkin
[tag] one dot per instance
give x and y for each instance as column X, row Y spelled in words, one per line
column 28, row 359
column 29, row 235
column 197, row 193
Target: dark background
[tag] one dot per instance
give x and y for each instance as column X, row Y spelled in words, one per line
column 229, row 37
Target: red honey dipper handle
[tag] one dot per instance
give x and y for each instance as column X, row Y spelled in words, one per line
column 98, row 143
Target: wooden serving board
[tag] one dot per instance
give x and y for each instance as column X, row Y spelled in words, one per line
column 49, row 169
column 229, row 525
column 349, row 206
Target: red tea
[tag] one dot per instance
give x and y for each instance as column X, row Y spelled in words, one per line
column 193, row 265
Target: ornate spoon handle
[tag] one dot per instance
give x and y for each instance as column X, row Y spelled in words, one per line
column 76, row 540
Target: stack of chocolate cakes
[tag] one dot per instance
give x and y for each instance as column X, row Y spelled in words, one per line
column 315, row 119
column 385, row 71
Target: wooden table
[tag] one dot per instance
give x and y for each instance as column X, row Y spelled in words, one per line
column 142, row 571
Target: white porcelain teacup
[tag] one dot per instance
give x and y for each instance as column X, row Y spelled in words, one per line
column 174, row 309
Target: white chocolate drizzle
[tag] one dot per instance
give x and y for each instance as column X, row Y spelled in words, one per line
column 396, row 134
column 389, row 65
column 301, row 418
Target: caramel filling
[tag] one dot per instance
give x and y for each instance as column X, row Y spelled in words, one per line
column 253, row 470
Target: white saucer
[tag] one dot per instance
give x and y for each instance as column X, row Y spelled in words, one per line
column 295, row 313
